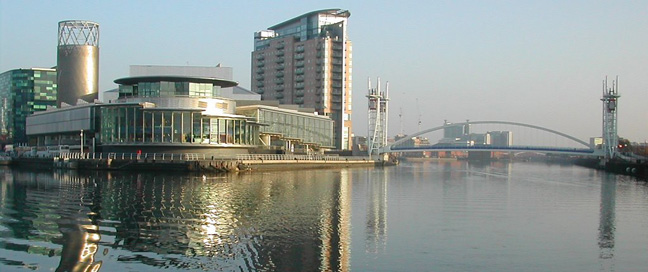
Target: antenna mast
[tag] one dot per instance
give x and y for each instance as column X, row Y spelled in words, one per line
column 418, row 111
column 400, row 120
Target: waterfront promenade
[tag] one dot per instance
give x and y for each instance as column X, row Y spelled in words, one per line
column 190, row 162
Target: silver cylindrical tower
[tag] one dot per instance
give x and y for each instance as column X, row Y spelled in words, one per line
column 77, row 60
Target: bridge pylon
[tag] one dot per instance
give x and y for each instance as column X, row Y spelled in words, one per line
column 610, row 106
column 378, row 111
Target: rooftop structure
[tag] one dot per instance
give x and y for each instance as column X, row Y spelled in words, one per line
column 218, row 71
column 77, row 61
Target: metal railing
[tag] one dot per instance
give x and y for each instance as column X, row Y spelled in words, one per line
column 198, row 157
column 294, row 157
column 145, row 156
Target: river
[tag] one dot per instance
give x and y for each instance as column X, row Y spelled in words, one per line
column 424, row 216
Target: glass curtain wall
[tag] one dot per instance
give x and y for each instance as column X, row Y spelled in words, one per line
column 311, row 130
column 169, row 89
column 132, row 124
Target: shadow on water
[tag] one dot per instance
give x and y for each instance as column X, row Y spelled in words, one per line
column 284, row 221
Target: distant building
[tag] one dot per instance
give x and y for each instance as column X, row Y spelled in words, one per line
column 501, row 138
column 479, row 138
column 596, row 142
column 453, row 132
column 23, row 92
column 307, row 61
column 360, row 147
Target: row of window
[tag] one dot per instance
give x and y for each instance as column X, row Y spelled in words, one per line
column 23, row 92
column 312, row 130
column 167, row 89
column 134, row 125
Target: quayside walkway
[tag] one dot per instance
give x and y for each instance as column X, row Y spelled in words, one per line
column 190, row 162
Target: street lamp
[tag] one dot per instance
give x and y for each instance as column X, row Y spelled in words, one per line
column 82, row 141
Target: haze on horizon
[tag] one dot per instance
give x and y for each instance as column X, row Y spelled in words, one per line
column 535, row 62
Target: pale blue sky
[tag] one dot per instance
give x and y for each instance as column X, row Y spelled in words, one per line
column 537, row 62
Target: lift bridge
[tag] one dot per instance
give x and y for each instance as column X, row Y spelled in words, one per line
column 495, row 140
column 495, row 136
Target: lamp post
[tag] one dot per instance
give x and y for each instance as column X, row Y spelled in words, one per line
column 82, row 141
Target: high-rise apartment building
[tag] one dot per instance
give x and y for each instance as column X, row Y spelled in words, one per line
column 23, row 92
column 307, row 61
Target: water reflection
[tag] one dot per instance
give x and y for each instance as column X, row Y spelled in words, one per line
column 444, row 216
column 284, row 221
column 376, row 225
column 607, row 217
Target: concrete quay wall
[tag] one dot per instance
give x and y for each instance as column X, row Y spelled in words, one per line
column 637, row 169
column 260, row 162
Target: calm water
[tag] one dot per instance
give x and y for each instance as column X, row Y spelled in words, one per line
column 413, row 217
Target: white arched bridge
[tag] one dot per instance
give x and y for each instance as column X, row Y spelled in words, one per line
column 461, row 137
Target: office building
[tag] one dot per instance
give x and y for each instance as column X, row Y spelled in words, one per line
column 23, row 92
column 307, row 61
column 77, row 62
column 453, row 132
column 501, row 138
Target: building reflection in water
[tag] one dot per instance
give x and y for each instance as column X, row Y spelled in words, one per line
column 51, row 209
column 376, row 225
column 607, row 217
column 78, row 222
column 376, row 240
column 282, row 221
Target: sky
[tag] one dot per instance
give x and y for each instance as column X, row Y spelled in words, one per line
column 534, row 62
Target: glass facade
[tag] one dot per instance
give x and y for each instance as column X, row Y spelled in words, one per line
column 308, row 128
column 169, row 89
column 133, row 124
column 23, row 92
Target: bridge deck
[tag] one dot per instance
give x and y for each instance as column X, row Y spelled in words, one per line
column 558, row 150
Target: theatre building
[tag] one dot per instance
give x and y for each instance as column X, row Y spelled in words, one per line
column 168, row 114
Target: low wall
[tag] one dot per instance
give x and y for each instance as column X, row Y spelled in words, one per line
column 192, row 162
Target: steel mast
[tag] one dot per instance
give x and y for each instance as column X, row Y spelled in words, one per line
column 610, row 105
column 378, row 110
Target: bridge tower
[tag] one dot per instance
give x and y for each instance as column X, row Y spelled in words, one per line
column 378, row 110
column 610, row 105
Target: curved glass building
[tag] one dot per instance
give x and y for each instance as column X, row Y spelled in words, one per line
column 175, row 114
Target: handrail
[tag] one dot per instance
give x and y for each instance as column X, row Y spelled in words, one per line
column 200, row 156
column 295, row 157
